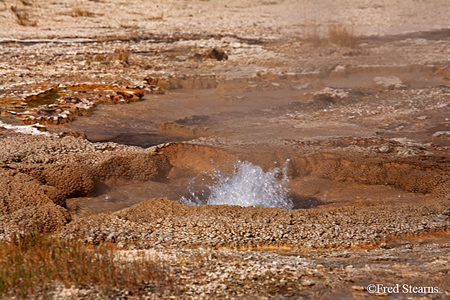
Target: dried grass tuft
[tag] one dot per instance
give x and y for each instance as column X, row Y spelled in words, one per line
column 78, row 12
column 340, row 35
column 337, row 34
column 32, row 265
column 22, row 16
column 312, row 35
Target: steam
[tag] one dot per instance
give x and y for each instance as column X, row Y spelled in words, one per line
column 248, row 185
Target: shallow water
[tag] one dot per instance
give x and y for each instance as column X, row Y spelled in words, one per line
column 138, row 123
column 120, row 197
column 251, row 111
column 305, row 193
column 246, row 109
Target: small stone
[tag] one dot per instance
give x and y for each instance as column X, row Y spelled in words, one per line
column 389, row 82
column 121, row 245
column 307, row 282
column 384, row 149
column 187, row 269
column 131, row 246
column 349, row 268
column 216, row 54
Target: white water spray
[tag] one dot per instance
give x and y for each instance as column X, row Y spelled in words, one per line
column 248, row 185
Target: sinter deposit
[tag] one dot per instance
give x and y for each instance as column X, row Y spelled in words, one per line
column 108, row 109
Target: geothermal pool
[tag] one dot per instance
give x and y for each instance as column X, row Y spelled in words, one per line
column 265, row 122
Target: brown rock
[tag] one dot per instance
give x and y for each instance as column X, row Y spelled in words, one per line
column 139, row 166
column 70, row 180
column 46, row 218
column 216, row 54
column 26, row 204
column 74, row 134
column 18, row 191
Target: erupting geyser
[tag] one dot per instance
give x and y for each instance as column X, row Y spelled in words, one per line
column 248, row 185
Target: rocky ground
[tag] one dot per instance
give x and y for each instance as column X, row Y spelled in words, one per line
column 355, row 95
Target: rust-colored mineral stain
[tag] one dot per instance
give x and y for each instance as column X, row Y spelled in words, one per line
column 60, row 105
column 257, row 248
column 443, row 235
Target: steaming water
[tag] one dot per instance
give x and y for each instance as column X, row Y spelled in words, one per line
column 248, row 185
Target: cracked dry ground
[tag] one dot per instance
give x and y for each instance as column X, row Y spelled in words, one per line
column 365, row 129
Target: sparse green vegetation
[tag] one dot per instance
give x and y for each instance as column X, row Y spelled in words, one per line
column 35, row 263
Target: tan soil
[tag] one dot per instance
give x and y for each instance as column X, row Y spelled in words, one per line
column 365, row 127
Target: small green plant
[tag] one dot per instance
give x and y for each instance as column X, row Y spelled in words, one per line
column 31, row 265
column 340, row 35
